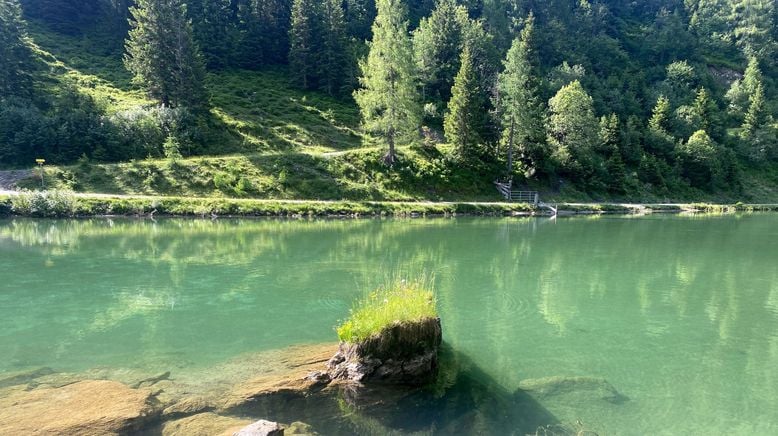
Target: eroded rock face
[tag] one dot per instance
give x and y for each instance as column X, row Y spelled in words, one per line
column 403, row 353
column 84, row 408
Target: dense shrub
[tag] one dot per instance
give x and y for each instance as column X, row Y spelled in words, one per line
column 44, row 204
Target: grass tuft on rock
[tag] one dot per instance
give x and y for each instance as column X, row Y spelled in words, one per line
column 399, row 302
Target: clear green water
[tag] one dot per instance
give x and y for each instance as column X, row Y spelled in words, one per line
column 679, row 314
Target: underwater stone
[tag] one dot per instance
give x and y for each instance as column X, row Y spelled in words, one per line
column 261, row 428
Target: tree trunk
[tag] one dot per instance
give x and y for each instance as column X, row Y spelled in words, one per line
column 510, row 148
column 391, row 156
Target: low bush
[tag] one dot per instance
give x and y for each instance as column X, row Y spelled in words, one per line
column 44, row 204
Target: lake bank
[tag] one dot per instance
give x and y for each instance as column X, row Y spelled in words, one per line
column 88, row 205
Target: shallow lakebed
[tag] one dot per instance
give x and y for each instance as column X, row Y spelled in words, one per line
column 625, row 325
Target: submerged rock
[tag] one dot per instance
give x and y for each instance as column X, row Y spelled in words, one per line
column 83, row 408
column 261, row 428
column 204, row 424
column 403, row 353
column 591, row 387
column 23, row 377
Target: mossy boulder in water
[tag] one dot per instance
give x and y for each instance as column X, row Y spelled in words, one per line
column 402, row 353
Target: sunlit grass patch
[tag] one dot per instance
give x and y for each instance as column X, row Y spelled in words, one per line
column 400, row 301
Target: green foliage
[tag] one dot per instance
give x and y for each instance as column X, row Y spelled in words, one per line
column 466, row 117
column 520, row 106
column 397, row 302
column 437, row 46
column 304, row 36
column 698, row 160
column 387, row 98
column 318, row 46
column 44, row 204
column 572, row 132
column 71, row 96
column 263, row 29
column 14, row 54
column 163, row 56
column 214, row 30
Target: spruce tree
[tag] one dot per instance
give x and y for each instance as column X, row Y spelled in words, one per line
column 437, row 46
column 519, row 103
column 739, row 94
column 466, row 117
column 214, row 30
column 387, row 97
column 163, row 56
column 304, row 36
column 707, row 113
column 333, row 61
column 264, row 32
column 660, row 117
column 14, row 54
column 658, row 139
column 756, row 115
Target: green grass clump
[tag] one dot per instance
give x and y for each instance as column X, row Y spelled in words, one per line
column 401, row 301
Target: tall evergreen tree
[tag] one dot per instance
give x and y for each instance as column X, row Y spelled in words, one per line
column 264, row 31
column 359, row 15
column 741, row 91
column 333, row 60
column 163, row 56
column 707, row 113
column 519, row 103
column 660, row 117
column 304, row 37
column 437, row 46
column 214, row 30
column 14, row 54
column 387, row 97
column 465, row 118
column 659, row 140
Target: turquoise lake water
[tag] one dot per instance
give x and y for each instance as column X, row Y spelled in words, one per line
column 678, row 313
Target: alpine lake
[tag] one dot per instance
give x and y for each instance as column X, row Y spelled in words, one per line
column 614, row 325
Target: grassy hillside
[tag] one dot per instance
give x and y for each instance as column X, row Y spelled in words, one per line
column 278, row 142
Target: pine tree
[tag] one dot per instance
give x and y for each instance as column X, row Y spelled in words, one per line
column 387, row 98
column 660, row 117
column 14, row 54
column 163, row 56
column 437, row 46
column 465, row 118
column 214, row 30
column 739, row 94
column 519, row 103
column 264, row 32
column 304, row 36
column 707, row 112
column 658, row 139
column 756, row 115
column 333, row 57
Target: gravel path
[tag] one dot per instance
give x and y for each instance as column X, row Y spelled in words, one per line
column 8, row 179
